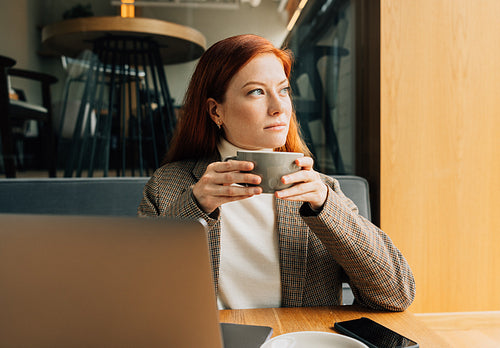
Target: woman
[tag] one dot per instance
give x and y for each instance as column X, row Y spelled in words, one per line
column 293, row 248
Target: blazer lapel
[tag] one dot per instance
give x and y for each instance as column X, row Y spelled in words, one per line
column 213, row 233
column 293, row 240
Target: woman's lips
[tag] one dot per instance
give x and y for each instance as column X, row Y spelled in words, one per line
column 276, row 127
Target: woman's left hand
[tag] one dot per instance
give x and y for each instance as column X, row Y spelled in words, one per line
column 307, row 185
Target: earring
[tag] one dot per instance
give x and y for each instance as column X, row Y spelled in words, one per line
column 219, row 124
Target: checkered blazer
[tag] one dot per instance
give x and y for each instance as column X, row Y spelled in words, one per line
column 317, row 251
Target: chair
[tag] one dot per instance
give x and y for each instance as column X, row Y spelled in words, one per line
column 357, row 190
column 12, row 110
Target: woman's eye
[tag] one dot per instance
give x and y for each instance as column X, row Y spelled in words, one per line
column 285, row 91
column 257, row 91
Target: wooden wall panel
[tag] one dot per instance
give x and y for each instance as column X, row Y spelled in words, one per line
column 440, row 147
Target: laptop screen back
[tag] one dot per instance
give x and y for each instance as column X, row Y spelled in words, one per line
column 105, row 282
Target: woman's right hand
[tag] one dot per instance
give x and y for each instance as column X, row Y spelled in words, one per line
column 215, row 186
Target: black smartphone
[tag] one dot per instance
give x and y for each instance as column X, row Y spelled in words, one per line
column 373, row 334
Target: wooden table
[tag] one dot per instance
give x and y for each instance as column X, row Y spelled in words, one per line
column 126, row 117
column 466, row 329
column 178, row 43
column 285, row 320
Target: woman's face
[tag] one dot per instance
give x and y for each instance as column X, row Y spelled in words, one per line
column 257, row 108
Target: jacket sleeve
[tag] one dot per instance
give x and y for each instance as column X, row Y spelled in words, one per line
column 169, row 194
column 379, row 275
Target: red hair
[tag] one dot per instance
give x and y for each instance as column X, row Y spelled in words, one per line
column 197, row 135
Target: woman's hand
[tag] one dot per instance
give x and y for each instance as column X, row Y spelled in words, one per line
column 214, row 187
column 307, row 185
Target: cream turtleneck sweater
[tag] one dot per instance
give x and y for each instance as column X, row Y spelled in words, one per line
column 249, row 274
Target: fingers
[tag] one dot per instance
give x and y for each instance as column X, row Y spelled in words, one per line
column 315, row 193
column 231, row 166
column 212, row 196
column 306, row 163
column 307, row 174
column 231, row 172
column 301, row 185
column 216, row 186
column 307, row 185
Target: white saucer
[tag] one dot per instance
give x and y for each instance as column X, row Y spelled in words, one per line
column 316, row 339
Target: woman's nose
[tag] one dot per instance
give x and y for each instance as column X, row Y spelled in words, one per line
column 276, row 104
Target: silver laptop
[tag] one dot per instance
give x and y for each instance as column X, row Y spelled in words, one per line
column 105, row 282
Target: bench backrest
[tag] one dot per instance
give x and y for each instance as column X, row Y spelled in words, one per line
column 72, row 196
column 110, row 196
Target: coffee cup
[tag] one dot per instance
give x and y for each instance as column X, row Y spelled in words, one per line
column 270, row 166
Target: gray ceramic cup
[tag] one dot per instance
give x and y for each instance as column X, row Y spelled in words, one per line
column 270, row 166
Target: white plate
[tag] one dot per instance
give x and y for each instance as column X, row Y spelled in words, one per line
column 316, row 339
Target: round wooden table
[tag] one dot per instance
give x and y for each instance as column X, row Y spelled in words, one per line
column 177, row 43
column 126, row 116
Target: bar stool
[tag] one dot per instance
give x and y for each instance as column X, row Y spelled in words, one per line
column 126, row 115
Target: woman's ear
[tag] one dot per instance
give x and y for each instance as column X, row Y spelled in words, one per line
column 212, row 106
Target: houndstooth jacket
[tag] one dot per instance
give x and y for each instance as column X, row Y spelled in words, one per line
column 317, row 252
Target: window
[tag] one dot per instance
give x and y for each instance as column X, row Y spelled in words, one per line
column 323, row 83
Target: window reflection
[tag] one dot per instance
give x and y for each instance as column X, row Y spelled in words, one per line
column 324, row 84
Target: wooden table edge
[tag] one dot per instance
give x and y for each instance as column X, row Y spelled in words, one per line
column 117, row 24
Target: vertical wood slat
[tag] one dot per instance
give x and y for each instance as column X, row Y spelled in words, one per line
column 440, row 147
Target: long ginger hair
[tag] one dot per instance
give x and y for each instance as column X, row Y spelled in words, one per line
column 197, row 135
